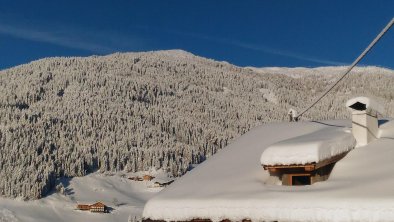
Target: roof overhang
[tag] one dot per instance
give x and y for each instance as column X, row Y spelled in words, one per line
column 306, row 167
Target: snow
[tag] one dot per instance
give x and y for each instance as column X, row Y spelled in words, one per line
column 177, row 53
column 386, row 129
column 326, row 71
column 130, row 197
column 7, row 216
column 269, row 95
column 369, row 103
column 311, row 148
column 226, row 90
column 293, row 113
column 232, row 184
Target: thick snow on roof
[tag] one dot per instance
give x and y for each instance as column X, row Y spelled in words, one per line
column 231, row 184
column 369, row 103
column 311, row 148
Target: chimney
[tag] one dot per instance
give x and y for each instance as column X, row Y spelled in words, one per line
column 364, row 119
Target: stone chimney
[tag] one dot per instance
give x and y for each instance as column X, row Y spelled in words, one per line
column 364, row 119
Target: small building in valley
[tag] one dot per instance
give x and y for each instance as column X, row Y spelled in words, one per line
column 98, row 207
column 84, row 207
column 135, row 178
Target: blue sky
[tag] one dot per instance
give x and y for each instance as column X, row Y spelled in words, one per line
column 246, row 33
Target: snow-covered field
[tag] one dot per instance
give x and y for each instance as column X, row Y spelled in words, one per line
column 232, row 184
column 126, row 197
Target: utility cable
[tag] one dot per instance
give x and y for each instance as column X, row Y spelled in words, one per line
column 378, row 37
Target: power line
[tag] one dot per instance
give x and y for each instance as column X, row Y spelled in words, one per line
column 377, row 38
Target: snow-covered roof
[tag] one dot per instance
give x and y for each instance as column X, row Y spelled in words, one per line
column 231, row 184
column 311, row 148
column 369, row 103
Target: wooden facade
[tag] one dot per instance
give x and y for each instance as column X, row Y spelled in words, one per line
column 97, row 207
column 135, row 178
column 304, row 174
column 148, row 177
column 83, row 207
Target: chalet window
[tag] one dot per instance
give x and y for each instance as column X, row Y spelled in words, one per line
column 297, row 180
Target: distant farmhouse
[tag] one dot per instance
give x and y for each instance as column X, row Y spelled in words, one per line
column 336, row 170
column 145, row 177
column 98, row 207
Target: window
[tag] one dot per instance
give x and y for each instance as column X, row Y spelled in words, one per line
column 299, row 180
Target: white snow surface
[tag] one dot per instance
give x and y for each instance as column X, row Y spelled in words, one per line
column 311, row 148
column 231, row 184
column 269, row 95
column 326, row 71
column 130, row 198
column 386, row 129
column 369, row 103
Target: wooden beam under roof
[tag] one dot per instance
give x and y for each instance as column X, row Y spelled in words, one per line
column 307, row 166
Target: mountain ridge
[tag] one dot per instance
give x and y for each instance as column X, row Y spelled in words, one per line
column 66, row 117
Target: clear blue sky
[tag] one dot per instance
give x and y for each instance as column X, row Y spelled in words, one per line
column 245, row 32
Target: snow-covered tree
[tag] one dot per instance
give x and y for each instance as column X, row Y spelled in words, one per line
column 66, row 117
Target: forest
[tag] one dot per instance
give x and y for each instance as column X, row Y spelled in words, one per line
column 67, row 117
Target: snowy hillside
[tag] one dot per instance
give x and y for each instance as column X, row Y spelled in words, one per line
column 328, row 71
column 232, row 184
column 126, row 197
column 67, row 117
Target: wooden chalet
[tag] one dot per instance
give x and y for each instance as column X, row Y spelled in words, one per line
column 148, row 177
column 136, row 178
column 304, row 174
column 364, row 129
column 98, row 207
column 84, row 207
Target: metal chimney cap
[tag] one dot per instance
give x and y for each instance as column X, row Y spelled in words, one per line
column 364, row 103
